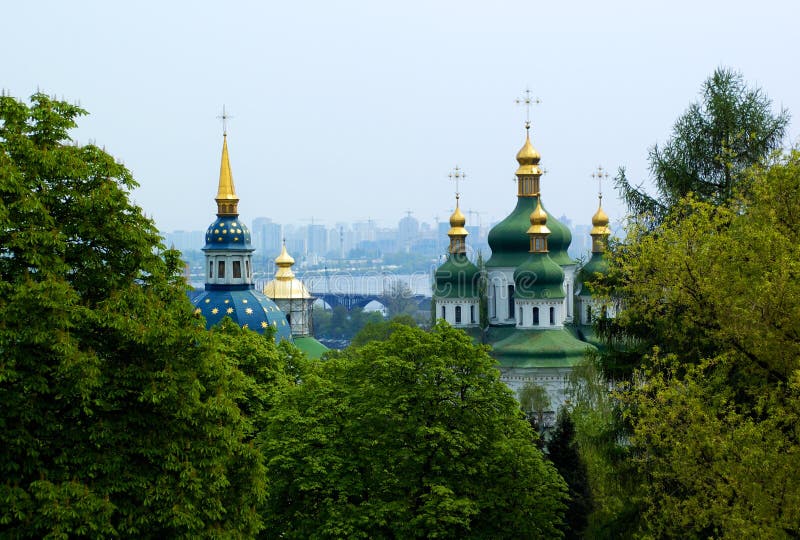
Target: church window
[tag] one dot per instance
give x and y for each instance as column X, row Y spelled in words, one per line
column 588, row 314
column 444, row 312
column 247, row 269
column 472, row 314
column 603, row 312
column 210, row 269
column 552, row 316
column 536, row 316
column 521, row 318
column 510, row 301
column 237, row 269
column 221, row 269
column 458, row 314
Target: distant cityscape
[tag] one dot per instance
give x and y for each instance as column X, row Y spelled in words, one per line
column 362, row 246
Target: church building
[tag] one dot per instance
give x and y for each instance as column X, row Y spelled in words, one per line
column 529, row 288
column 229, row 285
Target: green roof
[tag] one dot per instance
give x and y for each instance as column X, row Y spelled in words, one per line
column 456, row 278
column 510, row 243
column 539, row 277
column 310, row 346
column 515, row 348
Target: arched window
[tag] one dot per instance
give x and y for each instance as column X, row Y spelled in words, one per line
column 458, row 314
column 510, row 301
column 588, row 314
column 444, row 312
column 552, row 316
column 536, row 316
column 472, row 314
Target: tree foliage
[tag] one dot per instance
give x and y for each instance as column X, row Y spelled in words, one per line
column 712, row 144
column 381, row 329
column 562, row 449
column 535, row 402
column 412, row 437
column 713, row 410
column 119, row 416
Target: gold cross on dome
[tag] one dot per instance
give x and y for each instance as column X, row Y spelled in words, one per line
column 528, row 101
column 601, row 175
column 457, row 174
column 224, row 117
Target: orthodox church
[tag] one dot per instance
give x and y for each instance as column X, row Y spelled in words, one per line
column 538, row 304
column 230, row 291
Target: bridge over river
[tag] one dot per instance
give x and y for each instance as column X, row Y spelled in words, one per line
column 351, row 290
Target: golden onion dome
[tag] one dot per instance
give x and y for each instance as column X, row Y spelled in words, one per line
column 538, row 220
column 600, row 222
column 284, row 260
column 285, row 286
column 458, row 219
column 528, row 158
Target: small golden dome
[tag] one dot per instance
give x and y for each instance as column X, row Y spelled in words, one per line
column 538, row 220
column 600, row 223
column 284, row 260
column 528, row 158
column 458, row 219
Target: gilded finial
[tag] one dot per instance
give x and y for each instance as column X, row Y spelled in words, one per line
column 528, row 172
column 600, row 231
column 457, row 232
column 224, row 117
column 601, row 175
column 227, row 201
column 457, row 174
column 538, row 231
column 528, row 101
column 284, row 261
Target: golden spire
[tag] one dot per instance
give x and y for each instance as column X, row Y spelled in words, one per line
column 457, row 232
column 538, row 231
column 528, row 173
column 600, row 231
column 227, row 201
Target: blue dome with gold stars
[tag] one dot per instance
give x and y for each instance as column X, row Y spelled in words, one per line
column 227, row 232
column 248, row 308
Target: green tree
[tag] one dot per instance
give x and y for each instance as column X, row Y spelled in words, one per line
column 713, row 412
column 562, row 449
column 119, row 415
column 535, row 403
column 381, row 330
column 413, row 437
column 712, row 144
column 399, row 300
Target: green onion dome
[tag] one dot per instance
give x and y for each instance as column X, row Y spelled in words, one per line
column 456, row 278
column 597, row 265
column 509, row 240
column 539, row 277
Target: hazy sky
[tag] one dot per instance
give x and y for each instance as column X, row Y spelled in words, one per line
column 346, row 111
